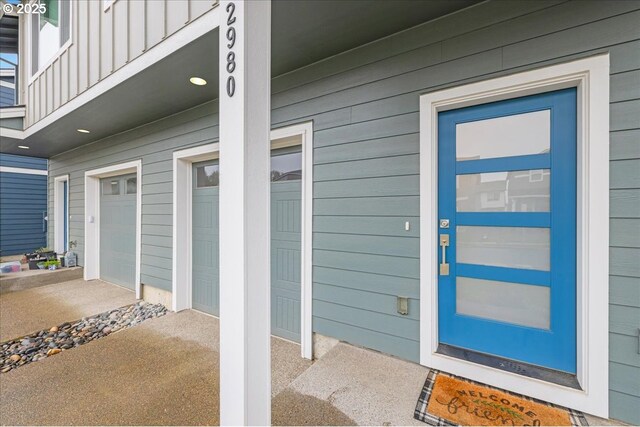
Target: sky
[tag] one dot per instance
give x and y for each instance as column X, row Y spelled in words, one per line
column 10, row 57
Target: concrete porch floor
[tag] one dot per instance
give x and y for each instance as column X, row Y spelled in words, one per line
column 162, row 372
column 34, row 309
column 165, row 371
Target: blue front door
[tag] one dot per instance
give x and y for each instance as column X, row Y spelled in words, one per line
column 507, row 229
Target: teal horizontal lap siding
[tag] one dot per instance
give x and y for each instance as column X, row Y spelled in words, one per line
column 366, row 186
column 154, row 144
column 23, row 200
column 364, row 105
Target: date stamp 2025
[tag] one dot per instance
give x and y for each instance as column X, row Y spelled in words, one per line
column 25, row 8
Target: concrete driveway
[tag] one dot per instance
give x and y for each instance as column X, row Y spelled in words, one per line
column 27, row 311
column 164, row 371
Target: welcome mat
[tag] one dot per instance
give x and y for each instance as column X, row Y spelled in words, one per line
column 449, row 401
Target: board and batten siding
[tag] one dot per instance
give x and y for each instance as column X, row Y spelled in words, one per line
column 102, row 41
column 364, row 105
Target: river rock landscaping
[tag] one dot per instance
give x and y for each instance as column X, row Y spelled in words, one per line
column 48, row 342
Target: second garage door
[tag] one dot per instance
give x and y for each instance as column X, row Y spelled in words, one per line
column 285, row 241
column 118, row 230
column 204, row 251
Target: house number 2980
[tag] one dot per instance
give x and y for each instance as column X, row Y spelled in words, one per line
column 231, row 56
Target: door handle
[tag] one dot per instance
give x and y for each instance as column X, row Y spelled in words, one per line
column 444, row 266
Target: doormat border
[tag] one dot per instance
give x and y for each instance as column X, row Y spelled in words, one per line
column 577, row 418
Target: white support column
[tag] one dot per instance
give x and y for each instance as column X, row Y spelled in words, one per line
column 245, row 105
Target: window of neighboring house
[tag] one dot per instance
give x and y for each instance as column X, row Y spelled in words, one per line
column 494, row 196
column 50, row 30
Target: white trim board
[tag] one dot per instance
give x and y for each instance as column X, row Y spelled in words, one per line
column 305, row 131
column 107, row 4
column 11, row 112
column 7, row 84
column 59, row 213
column 11, row 169
column 182, row 216
column 591, row 78
column 182, row 182
column 92, row 217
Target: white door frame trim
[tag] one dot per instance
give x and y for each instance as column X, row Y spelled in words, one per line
column 92, row 211
column 182, row 216
column 182, row 184
column 591, row 78
column 58, row 213
column 305, row 130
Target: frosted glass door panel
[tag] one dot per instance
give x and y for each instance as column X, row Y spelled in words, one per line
column 525, row 305
column 513, row 247
column 514, row 191
column 517, row 135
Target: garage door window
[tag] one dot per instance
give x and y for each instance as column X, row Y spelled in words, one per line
column 286, row 166
column 132, row 185
column 110, row 187
column 207, row 176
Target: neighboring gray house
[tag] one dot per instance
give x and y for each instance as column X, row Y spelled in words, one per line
column 455, row 183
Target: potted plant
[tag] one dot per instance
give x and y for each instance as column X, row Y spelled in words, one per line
column 33, row 263
column 31, row 255
column 47, row 253
column 34, row 258
column 52, row 264
column 41, row 264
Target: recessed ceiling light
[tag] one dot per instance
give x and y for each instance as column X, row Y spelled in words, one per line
column 83, row 131
column 24, row 147
column 198, row 81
